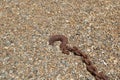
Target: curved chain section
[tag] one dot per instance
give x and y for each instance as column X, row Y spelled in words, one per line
column 65, row 49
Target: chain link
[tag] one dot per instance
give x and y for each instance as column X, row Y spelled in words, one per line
column 85, row 59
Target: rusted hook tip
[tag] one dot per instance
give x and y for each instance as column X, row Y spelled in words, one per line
column 61, row 38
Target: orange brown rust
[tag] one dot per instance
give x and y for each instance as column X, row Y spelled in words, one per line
column 66, row 49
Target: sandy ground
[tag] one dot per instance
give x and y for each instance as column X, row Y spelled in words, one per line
column 25, row 26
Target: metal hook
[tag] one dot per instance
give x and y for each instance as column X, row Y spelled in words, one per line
column 60, row 38
column 63, row 41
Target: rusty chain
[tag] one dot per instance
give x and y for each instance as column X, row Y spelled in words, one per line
column 65, row 49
